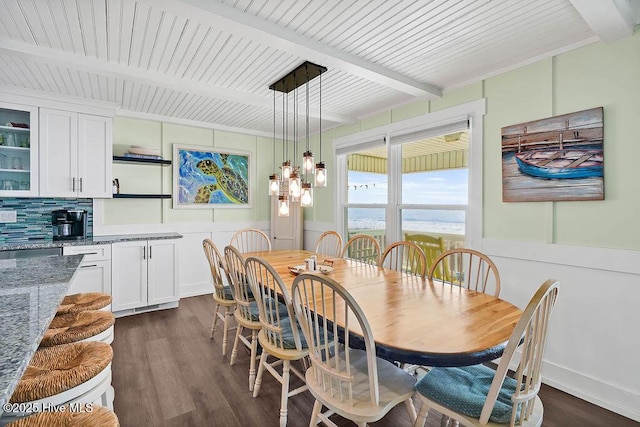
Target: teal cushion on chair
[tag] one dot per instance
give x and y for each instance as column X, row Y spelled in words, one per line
column 288, row 341
column 228, row 293
column 465, row 389
column 255, row 312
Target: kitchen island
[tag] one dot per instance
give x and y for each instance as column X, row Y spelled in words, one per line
column 31, row 290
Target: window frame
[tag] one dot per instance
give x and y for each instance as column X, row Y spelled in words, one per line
column 436, row 123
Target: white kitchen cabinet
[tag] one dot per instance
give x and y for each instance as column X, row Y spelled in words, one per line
column 145, row 275
column 18, row 150
column 286, row 231
column 75, row 154
column 94, row 273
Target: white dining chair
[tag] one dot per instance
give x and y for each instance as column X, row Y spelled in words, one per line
column 246, row 313
column 478, row 395
column 280, row 336
column 222, row 293
column 352, row 383
column 468, row 268
column 406, row 257
column 362, row 248
column 329, row 244
column 250, row 240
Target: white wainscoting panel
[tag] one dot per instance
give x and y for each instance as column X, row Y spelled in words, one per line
column 593, row 346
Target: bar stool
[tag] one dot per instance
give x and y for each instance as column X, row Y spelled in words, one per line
column 85, row 301
column 69, row 373
column 79, row 326
column 99, row 416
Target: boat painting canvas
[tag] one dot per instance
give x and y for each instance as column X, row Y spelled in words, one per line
column 554, row 159
column 204, row 178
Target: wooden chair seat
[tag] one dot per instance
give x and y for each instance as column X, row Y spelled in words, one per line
column 98, row 416
column 79, row 326
column 83, row 302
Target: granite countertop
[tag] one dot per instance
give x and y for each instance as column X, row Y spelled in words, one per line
column 96, row 240
column 28, row 302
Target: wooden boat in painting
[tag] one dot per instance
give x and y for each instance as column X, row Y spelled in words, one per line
column 561, row 163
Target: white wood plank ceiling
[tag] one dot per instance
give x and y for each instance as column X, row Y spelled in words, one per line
column 211, row 62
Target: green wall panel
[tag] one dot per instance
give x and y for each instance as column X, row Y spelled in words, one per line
column 514, row 97
column 607, row 76
column 457, row 97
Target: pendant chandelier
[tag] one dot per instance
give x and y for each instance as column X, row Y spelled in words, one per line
column 295, row 183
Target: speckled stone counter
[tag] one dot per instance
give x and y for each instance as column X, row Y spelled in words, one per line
column 96, row 240
column 31, row 290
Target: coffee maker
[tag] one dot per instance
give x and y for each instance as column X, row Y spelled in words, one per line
column 69, row 224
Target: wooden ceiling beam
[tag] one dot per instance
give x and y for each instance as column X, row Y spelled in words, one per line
column 227, row 18
column 122, row 71
column 611, row 20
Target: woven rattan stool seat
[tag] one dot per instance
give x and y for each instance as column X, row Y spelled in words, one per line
column 99, row 416
column 72, row 327
column 54, row 370
column 83, row 302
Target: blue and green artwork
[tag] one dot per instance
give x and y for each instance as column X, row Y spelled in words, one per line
column 207, row 178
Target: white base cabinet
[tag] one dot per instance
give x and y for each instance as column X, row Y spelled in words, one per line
column 94, row 273
column 144, row 275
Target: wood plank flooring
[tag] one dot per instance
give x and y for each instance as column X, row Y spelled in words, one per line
column 167, row 372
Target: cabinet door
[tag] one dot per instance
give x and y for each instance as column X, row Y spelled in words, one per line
column 18, row 151
column 163, row 271
column 92, row 276
column 58, row 153
column 129, row 275
column 94, row 156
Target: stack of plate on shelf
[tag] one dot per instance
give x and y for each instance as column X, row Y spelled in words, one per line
column 139, row 152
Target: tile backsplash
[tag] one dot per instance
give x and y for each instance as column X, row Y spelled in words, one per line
column 34, row 217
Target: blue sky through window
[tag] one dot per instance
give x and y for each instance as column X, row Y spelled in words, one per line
column 436, row 187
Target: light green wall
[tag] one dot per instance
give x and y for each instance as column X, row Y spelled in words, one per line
column 157, row 179
column 519, row 96
column 592, row 76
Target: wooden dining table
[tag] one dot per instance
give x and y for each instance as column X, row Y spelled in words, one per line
column 412, row 320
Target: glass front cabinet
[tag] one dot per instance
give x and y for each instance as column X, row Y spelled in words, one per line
column 18, row 150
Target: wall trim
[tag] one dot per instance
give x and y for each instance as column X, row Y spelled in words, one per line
column 607, row 259
column 194, row 123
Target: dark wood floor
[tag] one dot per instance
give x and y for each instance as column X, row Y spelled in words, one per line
column 167, row 372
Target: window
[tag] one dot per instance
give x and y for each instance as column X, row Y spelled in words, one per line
column 431, row 169
column 432, row 185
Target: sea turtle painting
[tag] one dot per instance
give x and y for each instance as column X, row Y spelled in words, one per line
column 228, row 181
column 212, row 178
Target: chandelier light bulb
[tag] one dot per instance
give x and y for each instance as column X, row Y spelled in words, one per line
column 294, row 186
column 283, row 206
column 306, row 196
column 274, row 185
column 321, row 175
column 286, row 169
column 308, row 163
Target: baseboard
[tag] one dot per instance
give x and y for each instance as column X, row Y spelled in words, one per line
column 620, row 401
column 139, row 310
column 196, row 289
